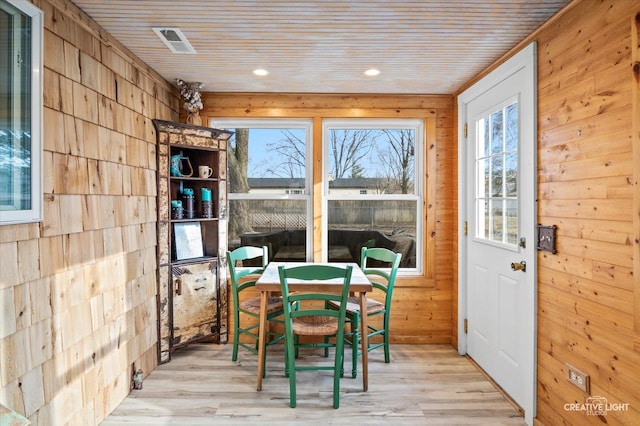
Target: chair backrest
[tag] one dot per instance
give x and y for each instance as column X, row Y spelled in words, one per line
column 386, row 257
column 242, row 254
column 293, row 306
column 369, row 243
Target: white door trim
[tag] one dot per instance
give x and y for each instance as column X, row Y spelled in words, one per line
column 524, row 59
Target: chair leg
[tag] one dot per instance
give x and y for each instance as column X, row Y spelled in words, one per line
column 236, row 337
column 338, row 363
column 386, row 349
column 344, row 338
column 387, row 359
column 355, row 343
column 286, row 360
column 291, row 369
column 326, row 338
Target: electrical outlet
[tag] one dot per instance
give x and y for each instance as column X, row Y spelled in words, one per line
column 578, row 378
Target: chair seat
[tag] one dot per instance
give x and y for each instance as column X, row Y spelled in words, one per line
column 353, row 305
column 274, row 304
column 315, row 326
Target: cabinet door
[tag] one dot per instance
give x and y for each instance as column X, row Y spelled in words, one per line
column 195, row 302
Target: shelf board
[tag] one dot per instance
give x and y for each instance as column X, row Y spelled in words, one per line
column 193, row 260
column 194, row 178
column 195, row 219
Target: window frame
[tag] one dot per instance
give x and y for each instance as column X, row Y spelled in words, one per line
column 279, row 123
column 34, row 213
column 418, row 195
column 480, row 228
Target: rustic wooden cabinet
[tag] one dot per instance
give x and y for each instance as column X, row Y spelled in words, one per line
column 192, row 235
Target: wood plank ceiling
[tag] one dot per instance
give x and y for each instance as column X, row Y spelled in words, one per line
column 420, row 47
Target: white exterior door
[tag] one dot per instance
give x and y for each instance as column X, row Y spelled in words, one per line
column 498, row 203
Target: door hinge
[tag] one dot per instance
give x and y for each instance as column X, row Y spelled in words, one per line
column 466, row 326
column 466, row 130
column 466, row 227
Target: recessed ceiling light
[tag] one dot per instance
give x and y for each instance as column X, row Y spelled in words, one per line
column 372, row 72
column 260, row 72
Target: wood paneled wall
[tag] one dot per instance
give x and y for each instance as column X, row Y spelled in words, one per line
column 422, row 305
column 78, row 291
column 635, row 140
column 587, row 159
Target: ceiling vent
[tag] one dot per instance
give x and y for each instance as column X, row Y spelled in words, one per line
column 175, row 40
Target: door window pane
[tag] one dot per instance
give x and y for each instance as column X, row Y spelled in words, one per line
column 511, row 128
column 485, row 140
column 511, row 218
column 497, row 222
column 482, row 227
column 484, row 180
column 496, row 132
column 497, row 173
column 511, row 174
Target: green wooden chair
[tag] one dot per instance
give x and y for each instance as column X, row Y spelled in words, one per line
column 306, row 314
column 242, row 279
column 383, row 277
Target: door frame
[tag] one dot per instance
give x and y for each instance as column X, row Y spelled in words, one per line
column 527, row 59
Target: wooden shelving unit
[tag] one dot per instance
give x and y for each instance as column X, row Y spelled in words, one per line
column 192, row 284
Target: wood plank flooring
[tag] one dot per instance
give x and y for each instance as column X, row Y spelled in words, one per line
column 423, row 384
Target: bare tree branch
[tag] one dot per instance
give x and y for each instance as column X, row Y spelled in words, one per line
column 349, row 147
column 398, row 159
column 291, row 151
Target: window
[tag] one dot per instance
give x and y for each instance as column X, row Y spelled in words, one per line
column 268, row 188
column 20, row 112
column 373, row 191
column 497, row 169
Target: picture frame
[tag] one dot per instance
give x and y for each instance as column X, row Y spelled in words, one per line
column 188, row 240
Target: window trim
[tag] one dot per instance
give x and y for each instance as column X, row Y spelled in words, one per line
column 34, row 214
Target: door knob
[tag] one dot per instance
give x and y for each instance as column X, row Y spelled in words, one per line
column 521, row 266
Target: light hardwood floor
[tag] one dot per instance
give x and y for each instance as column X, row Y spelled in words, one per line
column 423, row 384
